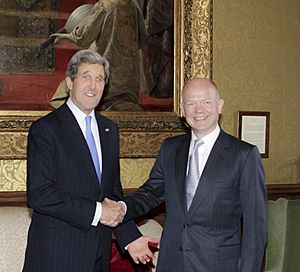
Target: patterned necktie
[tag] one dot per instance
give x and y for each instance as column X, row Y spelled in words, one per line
column 92, row 146
column 192, row 178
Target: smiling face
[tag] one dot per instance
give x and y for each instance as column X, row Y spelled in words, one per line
column 201, row 106
column 87, row 87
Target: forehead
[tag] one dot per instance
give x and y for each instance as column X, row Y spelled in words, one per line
column 197, row 92
column 94, row 68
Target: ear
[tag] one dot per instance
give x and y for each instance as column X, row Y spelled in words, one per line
column 220, row 105
column 69, row 82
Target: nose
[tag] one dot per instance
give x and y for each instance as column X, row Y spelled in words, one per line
column 199, row 107
column 92, row 83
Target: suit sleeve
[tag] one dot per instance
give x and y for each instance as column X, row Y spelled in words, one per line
column 126, row 232
column 151, row 193
column 43, row 193
column 254, row 205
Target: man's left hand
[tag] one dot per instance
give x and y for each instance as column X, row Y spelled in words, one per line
column 139, row 250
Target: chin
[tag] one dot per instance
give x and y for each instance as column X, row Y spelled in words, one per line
column 199, row 125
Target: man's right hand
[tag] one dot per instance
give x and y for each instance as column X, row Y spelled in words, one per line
column 112, row 213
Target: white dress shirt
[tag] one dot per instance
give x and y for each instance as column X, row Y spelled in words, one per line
column 80, row 118
column 204, row 149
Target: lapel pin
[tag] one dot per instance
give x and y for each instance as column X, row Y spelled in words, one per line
column 107, row 130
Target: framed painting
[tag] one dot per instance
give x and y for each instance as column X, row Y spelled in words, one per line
column 141, row 132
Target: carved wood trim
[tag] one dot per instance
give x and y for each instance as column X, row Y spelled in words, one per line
column 140, row 134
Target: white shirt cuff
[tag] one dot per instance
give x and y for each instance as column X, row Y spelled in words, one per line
column 124, row 206
column 98, row 213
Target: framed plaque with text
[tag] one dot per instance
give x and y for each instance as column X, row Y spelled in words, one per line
column 254, row 128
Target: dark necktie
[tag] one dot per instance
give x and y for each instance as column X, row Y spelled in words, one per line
column 192, row 178
column 92, row 146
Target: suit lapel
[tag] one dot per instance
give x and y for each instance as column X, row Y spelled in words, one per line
column 211, row 170
column 180, row 168
column 75, row 136
column 105, row 140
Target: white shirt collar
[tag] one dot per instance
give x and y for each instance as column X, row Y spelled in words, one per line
column 79, row 115
column 210, row 138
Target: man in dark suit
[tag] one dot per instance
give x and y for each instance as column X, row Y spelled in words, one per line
column 219, row 223
column 69, row 181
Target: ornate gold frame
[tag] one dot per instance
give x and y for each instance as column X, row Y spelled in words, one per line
column 140, row 133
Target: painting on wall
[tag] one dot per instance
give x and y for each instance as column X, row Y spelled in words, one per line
column 28, row 82
column 142, row 65
column 25, row 91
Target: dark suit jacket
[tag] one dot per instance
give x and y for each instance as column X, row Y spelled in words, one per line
column 225, row 228
column 62, row 189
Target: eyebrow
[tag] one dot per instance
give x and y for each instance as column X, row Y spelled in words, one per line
column 89, row 72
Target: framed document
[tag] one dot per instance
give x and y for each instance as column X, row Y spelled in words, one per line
column 253, row 127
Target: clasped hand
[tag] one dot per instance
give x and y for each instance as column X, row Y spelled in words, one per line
column 139, row 249
column 112, row 213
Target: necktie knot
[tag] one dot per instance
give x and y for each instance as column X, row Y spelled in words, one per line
column 197, row 143
column 88, row 119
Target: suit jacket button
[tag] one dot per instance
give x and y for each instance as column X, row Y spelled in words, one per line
column 180, row 248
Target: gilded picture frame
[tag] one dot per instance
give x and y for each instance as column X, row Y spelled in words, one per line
column 141, row 133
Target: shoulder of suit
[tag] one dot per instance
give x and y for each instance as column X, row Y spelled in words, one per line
column 232, row 140
column 46, row 117
column 178, row 139
column 53, row 117
column 105, row 120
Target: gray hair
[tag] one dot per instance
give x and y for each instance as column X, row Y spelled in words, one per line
column 86, row 56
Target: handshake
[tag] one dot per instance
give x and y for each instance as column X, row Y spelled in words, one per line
column 112, row 212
